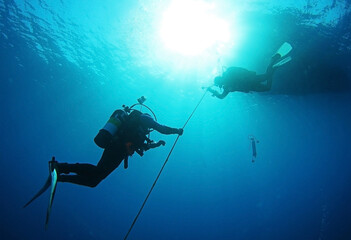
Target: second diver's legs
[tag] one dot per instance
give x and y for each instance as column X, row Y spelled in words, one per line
column 88, row 174
column 263, row 82
column 267, row 77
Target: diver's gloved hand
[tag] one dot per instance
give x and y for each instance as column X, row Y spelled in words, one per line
column 153, row 145
column 180, row 131
column 214, row 92
column 210, row 90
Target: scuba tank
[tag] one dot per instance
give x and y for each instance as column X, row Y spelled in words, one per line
column 106, row 134
column 113, row 125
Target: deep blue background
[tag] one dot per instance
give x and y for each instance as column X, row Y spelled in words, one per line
column 65, row 67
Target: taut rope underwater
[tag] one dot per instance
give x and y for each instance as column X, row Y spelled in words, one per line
column 164, row 164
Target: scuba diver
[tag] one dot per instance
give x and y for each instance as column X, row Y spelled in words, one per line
column 126, row 132
column 236, row 79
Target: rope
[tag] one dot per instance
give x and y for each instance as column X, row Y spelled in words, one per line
column 164, row 164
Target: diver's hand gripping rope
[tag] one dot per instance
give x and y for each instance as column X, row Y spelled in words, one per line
column 164, row 164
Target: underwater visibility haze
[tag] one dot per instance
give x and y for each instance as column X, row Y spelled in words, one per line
column 66, row 66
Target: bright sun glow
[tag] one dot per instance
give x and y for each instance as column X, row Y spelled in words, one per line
column 190, row 27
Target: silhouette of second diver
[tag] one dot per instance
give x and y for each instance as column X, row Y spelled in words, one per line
column 236, row 79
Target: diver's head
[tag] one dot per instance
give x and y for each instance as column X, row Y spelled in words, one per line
column 218, row 81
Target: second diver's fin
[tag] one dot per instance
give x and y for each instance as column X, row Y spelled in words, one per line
column 284, row 49
column 282, row 62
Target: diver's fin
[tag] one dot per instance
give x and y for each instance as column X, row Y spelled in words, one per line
column 51, row 181
column 284, row 49
column 282, row 62
column 40, row 192
column 53, row 175
column 47, row 183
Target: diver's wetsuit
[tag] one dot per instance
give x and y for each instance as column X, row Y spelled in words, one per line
column 91, row 175
column 237, row 79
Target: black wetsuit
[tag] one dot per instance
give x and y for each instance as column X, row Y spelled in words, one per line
column 237, row 79
column 241, row 80
column 91, row 175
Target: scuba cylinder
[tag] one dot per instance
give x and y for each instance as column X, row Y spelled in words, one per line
column 105, row 135
column 113, row 125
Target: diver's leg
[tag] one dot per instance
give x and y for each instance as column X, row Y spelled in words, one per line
column 260, row 78
column 90, row 175
column 259, row 85
column 274, row 60
column 87, row 174
column 270, row 69
column 78, row 168
column 269, row 77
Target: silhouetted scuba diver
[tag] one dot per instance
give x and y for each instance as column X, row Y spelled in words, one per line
column 125, row 133
column 237, row 79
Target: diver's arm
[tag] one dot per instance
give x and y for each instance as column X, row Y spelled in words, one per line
column 150, row 123
column 153, row 145
column 223, row 94
column 217, row 94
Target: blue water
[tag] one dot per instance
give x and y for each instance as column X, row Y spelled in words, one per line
column 65, row 66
